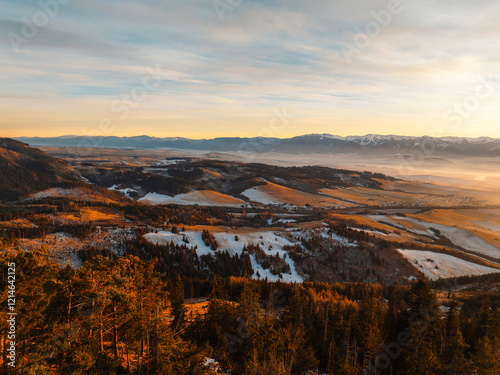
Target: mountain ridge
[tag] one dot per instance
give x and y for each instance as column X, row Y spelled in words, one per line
column 304, row 144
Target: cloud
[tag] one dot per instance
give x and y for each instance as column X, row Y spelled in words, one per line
column 47, row 38
column 263, row 54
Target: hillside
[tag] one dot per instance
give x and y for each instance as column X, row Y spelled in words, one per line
column 184, row 181
column 25, row 170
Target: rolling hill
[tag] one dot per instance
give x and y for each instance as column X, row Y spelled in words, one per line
column 25, row 170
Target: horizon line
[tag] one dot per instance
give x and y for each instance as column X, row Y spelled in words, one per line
column 255, row 137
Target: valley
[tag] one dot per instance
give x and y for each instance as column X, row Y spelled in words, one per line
column 215, row 246
column 364, row 224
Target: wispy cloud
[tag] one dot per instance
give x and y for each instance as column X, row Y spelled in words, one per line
column 262, row 55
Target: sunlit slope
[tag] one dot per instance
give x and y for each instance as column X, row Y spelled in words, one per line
column 406, row 193
column 271, row 193
column 200, row 197
column 475, row 229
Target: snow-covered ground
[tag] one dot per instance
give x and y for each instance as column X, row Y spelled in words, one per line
column 369, row 231
column 188, row 238
column 487, row 225
column 257, row 195
column 270, row 242
column 125, row 191
column 461, row 237
column 415, row 226
column 169, row 162
column 63, row 247
column 199, row 197
column 323, row 232
column 60, row 192
column 436, row 266
column 270, row 221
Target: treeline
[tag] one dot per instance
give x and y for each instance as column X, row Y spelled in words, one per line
column 178, row 180
column 154, row 215
column 123, row 317
column 77, row 230
column 133, row 211
column 307, row 178
column 479, row 281
column 343, row 229
column 174, row 260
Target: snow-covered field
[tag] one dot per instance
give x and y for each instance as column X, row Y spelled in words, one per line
column 270, row 242
column 200, row 197
column 257, row 195
column 462, row 237
column 275, row 194
column 413, row 226
column 487, row 225
column 458, row 236
column 436, row 266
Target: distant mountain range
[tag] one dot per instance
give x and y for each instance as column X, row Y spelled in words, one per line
column 305, row 144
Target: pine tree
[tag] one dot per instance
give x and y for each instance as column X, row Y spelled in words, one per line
column 453, row 358
column 369, row 330
column 424, row 319
column 487, row 356
column 177, row 303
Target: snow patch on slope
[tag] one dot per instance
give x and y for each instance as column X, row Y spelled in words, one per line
column 256, row 195
column 270, row 242
column 463, row 238
column 436, row 266
column 199, row 197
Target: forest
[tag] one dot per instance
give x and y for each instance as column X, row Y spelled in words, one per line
column 123, row 315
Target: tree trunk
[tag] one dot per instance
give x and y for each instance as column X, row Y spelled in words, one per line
column 115, row 333
column 69, row 306
column 92, row 308
column 101, row 338
column 126, row 351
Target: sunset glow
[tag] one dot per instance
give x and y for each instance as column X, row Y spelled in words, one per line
column 202, row 70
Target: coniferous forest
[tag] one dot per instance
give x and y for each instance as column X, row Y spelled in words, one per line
column 122, row 316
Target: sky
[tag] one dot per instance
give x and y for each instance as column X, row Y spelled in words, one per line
column 279, row 68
